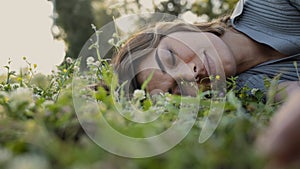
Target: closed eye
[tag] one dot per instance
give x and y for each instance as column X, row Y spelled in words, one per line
column 174, row 89
column 173, row 57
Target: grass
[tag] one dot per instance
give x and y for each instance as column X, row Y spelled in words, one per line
column 40, row 129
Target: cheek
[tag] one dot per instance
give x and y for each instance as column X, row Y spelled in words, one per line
column 158, row 83
column 156, row 87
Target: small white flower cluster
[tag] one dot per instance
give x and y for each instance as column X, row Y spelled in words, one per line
column 139, row 95
column 22, row 95
column 112, row 42
column 90, row 61
column 76, row 68
column 97, row 63
column 15, row 85
column 69, row 60
column 254, row 90
column 55, row 83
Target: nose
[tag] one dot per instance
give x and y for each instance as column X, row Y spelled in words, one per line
column 198, row 69
column 195, row 71
column 190, row 72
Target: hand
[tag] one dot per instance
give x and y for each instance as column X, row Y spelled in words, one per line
column 281, row 141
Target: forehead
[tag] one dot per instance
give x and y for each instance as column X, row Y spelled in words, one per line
column 175, row 37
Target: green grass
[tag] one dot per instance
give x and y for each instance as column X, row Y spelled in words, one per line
column 39, row 127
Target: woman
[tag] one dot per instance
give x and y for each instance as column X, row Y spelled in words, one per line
column 261, row 39
column 240, row 45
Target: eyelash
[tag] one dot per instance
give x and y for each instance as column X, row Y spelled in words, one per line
column 172, row 89
column 173, row 56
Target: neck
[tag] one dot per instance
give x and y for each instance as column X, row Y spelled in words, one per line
column 247, row 52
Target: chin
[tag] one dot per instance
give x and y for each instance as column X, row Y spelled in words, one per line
column 229, row 69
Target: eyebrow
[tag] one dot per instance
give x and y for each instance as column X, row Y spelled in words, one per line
column 158, row 61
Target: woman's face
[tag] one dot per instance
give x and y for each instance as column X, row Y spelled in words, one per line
column 185, row 56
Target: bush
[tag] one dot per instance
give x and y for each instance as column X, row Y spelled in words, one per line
column 39, row 127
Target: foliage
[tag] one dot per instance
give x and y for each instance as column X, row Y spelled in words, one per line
column 74, row 17
column 213, row 8
column 39, row 127
column 210, row 8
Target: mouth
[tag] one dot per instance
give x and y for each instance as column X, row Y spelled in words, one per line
column 207, row 64
column 207, row 71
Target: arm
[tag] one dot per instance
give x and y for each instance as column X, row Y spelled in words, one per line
column 286, row 90
column 281, row 141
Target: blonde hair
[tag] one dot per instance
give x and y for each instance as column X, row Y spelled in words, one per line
column 126, row 61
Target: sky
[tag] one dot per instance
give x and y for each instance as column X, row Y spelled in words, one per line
column 26, row 31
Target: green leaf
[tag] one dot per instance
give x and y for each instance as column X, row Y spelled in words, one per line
column 146, row 82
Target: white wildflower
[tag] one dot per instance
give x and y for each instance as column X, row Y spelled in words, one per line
column 69, row 60
column 115, row 35
column 90, row 60
column 76, row 68
column 22, row 95
column 1, row 87
column 111, row 41
column 55, row 84
column 93, row 26
column 15, row 85
column 253, row 91
column 97, row 63
column 139, row 95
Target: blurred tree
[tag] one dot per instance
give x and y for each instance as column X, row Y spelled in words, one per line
column 101, row 13
column 173, row 7
column 74, row 19
column 213, row 8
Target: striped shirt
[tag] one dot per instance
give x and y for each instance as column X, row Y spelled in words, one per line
column 272, row 22
column 287, row 68
column 275, row 23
